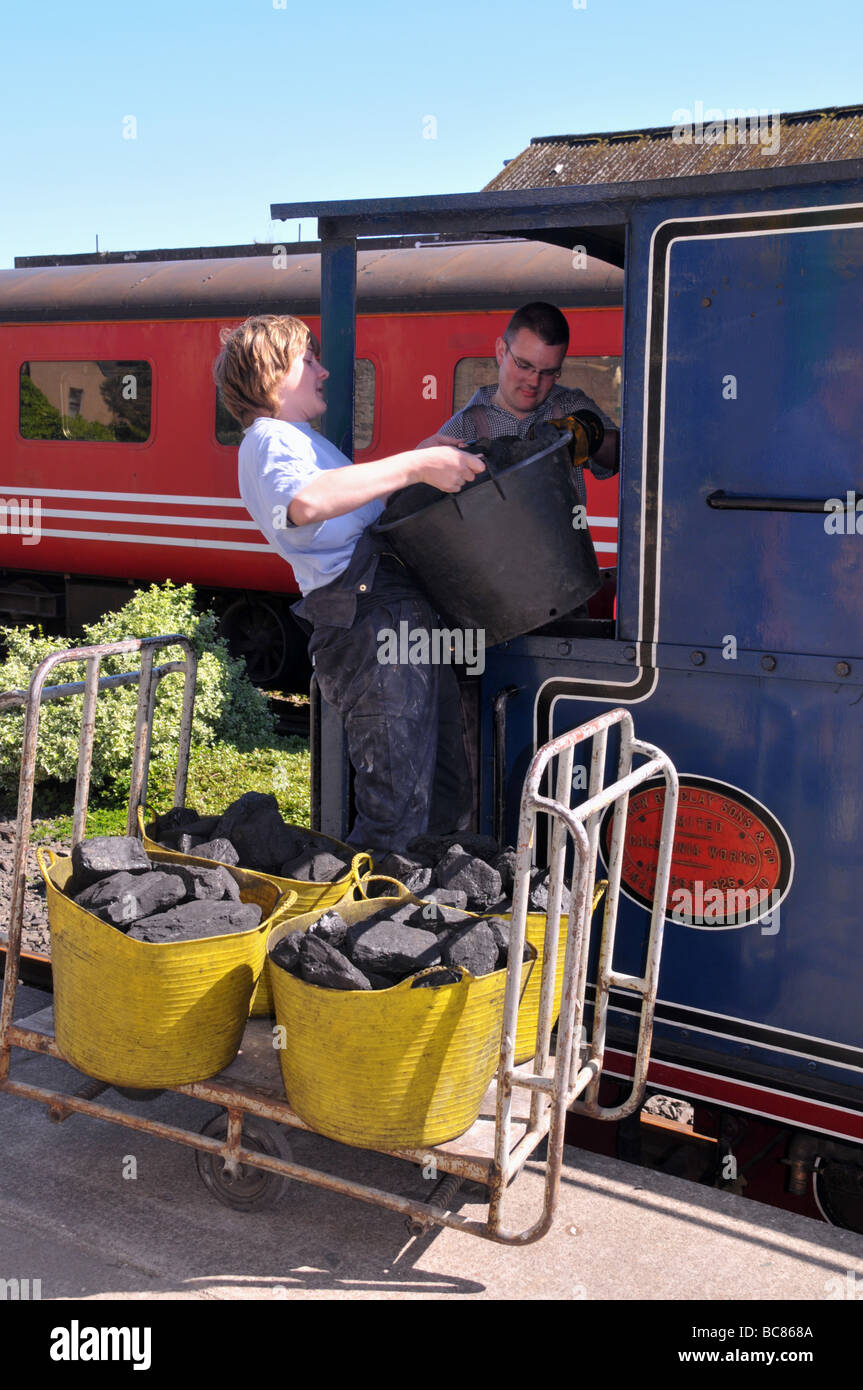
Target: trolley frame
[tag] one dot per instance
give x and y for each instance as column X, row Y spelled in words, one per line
column 491, row 1152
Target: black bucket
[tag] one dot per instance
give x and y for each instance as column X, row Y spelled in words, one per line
column 505, row 554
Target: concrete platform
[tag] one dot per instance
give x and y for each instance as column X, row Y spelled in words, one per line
column 72, row 1216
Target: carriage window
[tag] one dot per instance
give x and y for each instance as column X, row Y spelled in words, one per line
column 101, row 402
column 229, row 431
column 598, row 377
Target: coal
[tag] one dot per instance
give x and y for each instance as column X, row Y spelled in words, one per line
column 255, row 828
column 207, row 884
column 287, row 952
column 437, row 976
column 435, row 918
column 434, row 847
column 321, row 964
column 379, row 981
column 538, row 897
column 315, row 866
column 501, row 928
column 221, row 850
column 504, row 863
column 389, row 948
column 123, row 898
column 406, row 914
column 473, row 947
column 106, row 854
column 191, row 921
column 447, row 897
column 192, row 826
column 331, row 927
column 461, row 871
column 409, row 870
column 169, row 824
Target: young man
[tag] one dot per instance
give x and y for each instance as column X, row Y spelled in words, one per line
column 529, row 358
column 402, row 722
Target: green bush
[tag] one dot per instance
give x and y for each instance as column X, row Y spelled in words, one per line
column 228, row 709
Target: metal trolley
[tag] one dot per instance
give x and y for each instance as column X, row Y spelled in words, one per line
column 243, row 1155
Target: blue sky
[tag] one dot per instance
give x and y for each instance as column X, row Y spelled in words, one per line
column 237, row 105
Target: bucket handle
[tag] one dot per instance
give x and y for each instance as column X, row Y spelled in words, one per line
column 363, row 883
column 361, row 866
column 495, row 478
column 45, row 863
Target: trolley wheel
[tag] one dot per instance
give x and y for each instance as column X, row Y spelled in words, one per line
column 838, row 1189
column 252, row 1189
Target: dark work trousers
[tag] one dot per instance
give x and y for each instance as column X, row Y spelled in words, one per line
column 403, row 724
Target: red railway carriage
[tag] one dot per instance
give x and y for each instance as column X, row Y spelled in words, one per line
column 119, row 464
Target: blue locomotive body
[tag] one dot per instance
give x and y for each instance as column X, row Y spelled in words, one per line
column 737, row 642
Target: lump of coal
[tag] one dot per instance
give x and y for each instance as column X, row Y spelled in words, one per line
column 464, row 872
column 287, row 952
column 405, row 914
column 180, row 823
column 331, row 927
column 207, row 883
column 321, row 964
column 379, row 981
column 255, row 828
column 432, row 848
column 447, row 897
column 221, row 850
column 504, row 863
column 315, row 866
column 388, row 948
column 439, row 975
column 501, row 929
column 433, row 917
column 538, row 898
column 125, row 898
column 192, row 921
column 107, row 854
column 171, row 821
column 407, row 869
column 473, row 947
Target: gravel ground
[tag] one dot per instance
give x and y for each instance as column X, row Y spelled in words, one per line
column 35, row 935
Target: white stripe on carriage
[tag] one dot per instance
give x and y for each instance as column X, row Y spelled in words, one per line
column 192, row 541
column 150, row 516
column 608, row 546
column 176, row 497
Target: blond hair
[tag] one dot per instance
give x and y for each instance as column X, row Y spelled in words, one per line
column 255, row 357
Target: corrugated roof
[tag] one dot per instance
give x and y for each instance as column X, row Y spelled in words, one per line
column 706, row 141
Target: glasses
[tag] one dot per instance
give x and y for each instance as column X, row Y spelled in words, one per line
column 544, row 373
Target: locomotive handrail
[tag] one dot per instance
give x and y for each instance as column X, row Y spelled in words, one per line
column 725, row 502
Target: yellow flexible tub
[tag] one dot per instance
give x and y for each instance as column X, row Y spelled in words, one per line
column 387, row 1069
column 142, row 1014
column 307, row 896
column 528, row 1011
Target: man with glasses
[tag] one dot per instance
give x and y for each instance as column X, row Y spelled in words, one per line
column 530, row 358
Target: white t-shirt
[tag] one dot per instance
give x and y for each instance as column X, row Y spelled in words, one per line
column 278, row 460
